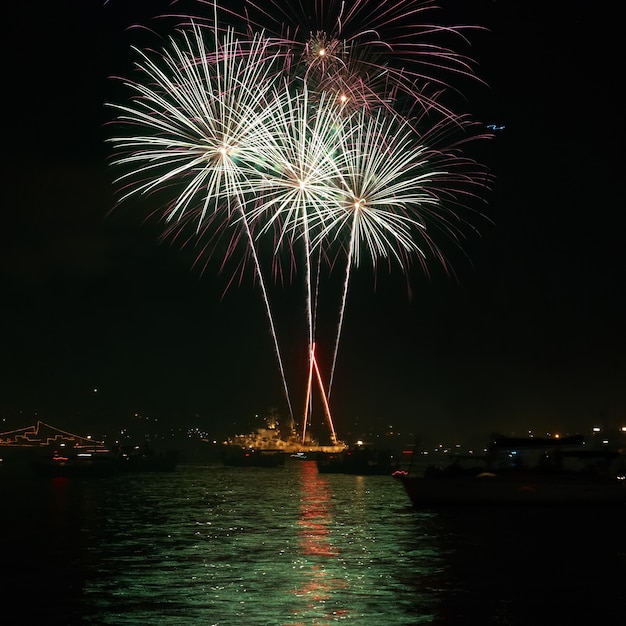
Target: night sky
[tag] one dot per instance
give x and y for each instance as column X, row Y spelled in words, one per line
column 529, row 335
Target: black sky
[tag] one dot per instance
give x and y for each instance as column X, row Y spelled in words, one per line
column 530, row 335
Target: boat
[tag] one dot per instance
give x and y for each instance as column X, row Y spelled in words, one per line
column 98, row 461
column 82, row 461
column 264, row 443
column 360, row 459
column 142, row 458
column 524, row 471
column 242, row 456
column 50, row 451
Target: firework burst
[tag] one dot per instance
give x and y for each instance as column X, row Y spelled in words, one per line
column 322, row 134
column 202, row 120
column 203, row 117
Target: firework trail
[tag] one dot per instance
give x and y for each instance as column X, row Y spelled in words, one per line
column 380, row 210
column 321, row 128
column 392, row 189
column 301, row 181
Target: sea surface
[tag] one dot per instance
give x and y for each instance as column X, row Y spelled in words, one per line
column 287, row 546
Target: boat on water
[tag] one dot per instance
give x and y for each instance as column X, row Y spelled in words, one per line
column 75, row 461
column 360, row 459
column 270, row 445
column 50, row 451
column 97, row 461
column 242, row 456
column 143, row 458
column 523, row 471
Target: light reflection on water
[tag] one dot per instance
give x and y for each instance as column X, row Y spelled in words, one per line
column 289, row 547
column 256, row 546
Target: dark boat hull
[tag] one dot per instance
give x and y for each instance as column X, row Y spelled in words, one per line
column 490, row 489
column 86, row 468
column 103, row 463
column 360, row 462
column 235, row 456
column 524, row 470
column 138, row 459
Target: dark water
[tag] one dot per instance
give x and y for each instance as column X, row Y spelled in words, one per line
column 286, row 546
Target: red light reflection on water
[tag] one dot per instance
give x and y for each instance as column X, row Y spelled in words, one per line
column 60, row 503
column 315, row 513
column 320, row 573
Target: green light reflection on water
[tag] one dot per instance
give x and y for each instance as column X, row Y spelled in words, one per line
column 284, row 546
